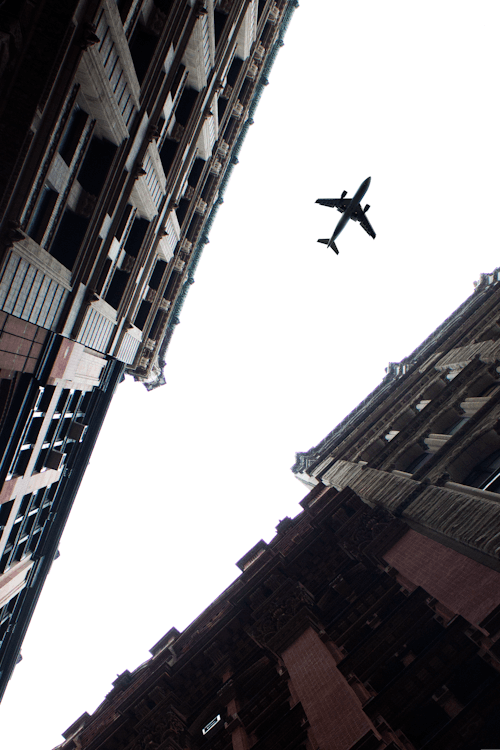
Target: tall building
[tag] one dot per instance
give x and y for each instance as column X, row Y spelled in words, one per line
column 425, row 444
column 120, row 122
column 372, row 620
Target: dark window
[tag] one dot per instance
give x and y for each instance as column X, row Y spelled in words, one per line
column 123, row 221
column 221, row 107
column 158, row 322
column 41, row 216
column 136, row 236
column 418, row 462
column 167, row 153
column 157, row 275
column 142, row 47
column 95, row 167
column 72, row 135
column 234, row 71
column 424, row 721
column 458, row 424
column 142, row 315
column 172, row 283
column 68, row 238
column 219, row 22
column 177, row 80
column 116, row 288
column 5, row 509
column 185, row 106
column 182, row 210
column 470, row 678
column 103, row 275
column 486, row 474
column 196, row 172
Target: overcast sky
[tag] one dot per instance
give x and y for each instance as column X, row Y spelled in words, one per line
column 279, row 338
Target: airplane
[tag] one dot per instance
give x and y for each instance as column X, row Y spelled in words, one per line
column 351, row 208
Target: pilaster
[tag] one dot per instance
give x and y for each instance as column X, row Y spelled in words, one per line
column 286, row 624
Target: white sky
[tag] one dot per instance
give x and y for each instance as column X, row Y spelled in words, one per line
column 279, row 338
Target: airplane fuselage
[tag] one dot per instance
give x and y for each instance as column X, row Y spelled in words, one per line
column 351, row 207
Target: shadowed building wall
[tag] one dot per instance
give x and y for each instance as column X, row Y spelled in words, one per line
column 120, row 123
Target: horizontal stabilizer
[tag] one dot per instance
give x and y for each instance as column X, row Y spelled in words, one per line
column 331, row 244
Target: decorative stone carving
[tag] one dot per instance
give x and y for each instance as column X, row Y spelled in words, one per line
column 88, row 36
column 237, row 109
column 366, row 529
column 153, row 132
column 260, row 52
column 128, row 263
column 164, row 730
column 177, row 132
column 86, row 204
column 215, row 167
column 278, row 623
column 252, row 71
column 222, row 149
column 273, row 14
column 13, row 233
column 156, row 21
column 179, row 265
column 201, row 206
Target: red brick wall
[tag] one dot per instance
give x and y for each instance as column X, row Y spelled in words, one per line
column 461, row 584
column 334, row 712
column 20, row 345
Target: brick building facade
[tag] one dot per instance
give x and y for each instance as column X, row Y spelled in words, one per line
column 327, row 640
column 120, row 123
column 372, row 619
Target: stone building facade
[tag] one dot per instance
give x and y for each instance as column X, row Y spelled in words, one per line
column 425, row 444
column 120, row 123
column 372, row 619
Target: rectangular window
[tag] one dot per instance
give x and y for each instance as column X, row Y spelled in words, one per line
column 72, row 135
column 41, row 215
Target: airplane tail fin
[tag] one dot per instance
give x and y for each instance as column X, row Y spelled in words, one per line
column 333, row 246
column 330, row 243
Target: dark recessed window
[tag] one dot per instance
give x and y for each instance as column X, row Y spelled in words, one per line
column 68, row 238
column 95, row 167
column 486, row 474
column 142, row 47
column 418, row 462
column 41, row 216
column 72, row 135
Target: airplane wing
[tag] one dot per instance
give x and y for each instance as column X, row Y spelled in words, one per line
column 360, row 215
column 339, row 203
column 367, row 226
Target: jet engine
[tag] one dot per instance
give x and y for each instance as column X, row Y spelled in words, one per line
column 366, row 207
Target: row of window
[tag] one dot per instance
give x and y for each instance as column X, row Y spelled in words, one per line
column 65, row 430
